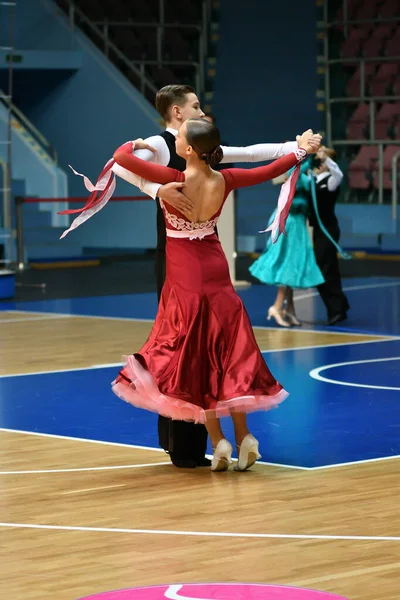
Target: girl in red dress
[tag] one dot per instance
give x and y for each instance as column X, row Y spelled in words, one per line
column 201, row 360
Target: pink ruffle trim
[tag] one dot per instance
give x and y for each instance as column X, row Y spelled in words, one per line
column 143, row 392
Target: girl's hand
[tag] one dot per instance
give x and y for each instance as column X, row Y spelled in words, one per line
column 140, row 144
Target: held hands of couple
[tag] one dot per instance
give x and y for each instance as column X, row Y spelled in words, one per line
column 309, row 140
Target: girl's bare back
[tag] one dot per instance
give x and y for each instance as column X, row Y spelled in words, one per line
column 206, row 189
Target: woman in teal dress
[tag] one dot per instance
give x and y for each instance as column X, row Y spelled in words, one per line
column 290, row 262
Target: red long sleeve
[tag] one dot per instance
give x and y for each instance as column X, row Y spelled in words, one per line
column 234, row 178
column 123, row 156
column 237, row 178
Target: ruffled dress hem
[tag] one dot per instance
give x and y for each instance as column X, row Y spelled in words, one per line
column 140, row 389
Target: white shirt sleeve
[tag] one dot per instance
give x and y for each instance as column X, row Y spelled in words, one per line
column 336, row 175
column 161, row 157
column 257, row 153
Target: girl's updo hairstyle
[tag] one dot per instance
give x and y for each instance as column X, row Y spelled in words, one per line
column 205, row 140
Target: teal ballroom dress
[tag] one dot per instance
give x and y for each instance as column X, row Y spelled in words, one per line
column 291, row 260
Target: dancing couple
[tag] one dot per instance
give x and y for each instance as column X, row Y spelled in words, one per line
column 201, row 361
column 294, row 262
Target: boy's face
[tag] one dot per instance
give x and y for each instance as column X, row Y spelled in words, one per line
column 191, row 109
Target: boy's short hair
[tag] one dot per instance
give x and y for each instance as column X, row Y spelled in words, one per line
column 170, row 95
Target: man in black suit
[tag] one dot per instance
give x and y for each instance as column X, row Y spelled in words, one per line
column 328, row 179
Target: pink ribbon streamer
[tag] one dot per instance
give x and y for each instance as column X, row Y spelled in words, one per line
column 284, row 203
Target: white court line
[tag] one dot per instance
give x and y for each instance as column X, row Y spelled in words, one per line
column 350, row 288
column 279, row 536
column 78, row 439
column 118, row 444
column 317, row 346
column 95, row 489
column 78, row 470
column 135, row 447
column 266, row 327
column 315, row 374
column 70, row 370
column 24, row 319
column 132, row 446
column 172, row 593
column 343, row 575
column 83, row 316
column 355, row 462
column 328, row 331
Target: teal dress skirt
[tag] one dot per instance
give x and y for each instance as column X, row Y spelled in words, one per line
column 291, row 260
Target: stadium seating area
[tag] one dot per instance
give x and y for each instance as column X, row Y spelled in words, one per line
column 373, row 32
column 136, row 34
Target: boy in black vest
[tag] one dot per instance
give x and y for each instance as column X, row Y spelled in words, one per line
column 328, row 179
column 185, row 442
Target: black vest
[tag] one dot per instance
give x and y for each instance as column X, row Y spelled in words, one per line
column 175, row 162
column 326, row 201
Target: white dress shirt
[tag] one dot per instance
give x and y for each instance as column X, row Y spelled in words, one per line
column 255, row 153
column 334, row 173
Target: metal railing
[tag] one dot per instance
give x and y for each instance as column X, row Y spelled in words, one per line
column 160, row 28
column 78, row 18
column 35, row 133
column 5, row 190
column 380, row 144
column 395, row 160
column 361, row 62
column 345, row 22
column 7, row 221
column 101, row 30
column 372, row 101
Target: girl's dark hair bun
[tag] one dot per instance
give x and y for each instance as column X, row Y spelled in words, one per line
column 212, row 158
column 216, row 156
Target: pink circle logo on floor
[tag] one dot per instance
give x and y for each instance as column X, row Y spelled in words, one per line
column 215, row 591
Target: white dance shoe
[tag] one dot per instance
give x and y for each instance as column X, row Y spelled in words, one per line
column 222, row 456
column 274, row 313
column 291, row 318
column 248, row 453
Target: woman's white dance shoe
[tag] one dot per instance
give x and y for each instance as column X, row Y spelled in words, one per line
column 248, row 453
column 291, row 318
column 275, row 313
column 222, row 456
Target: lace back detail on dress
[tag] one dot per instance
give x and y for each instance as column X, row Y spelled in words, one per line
column 181, row 224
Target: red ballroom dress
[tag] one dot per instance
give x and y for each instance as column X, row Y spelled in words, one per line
column 201, row 358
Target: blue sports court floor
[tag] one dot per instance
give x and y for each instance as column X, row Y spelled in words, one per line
column 344, row 403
